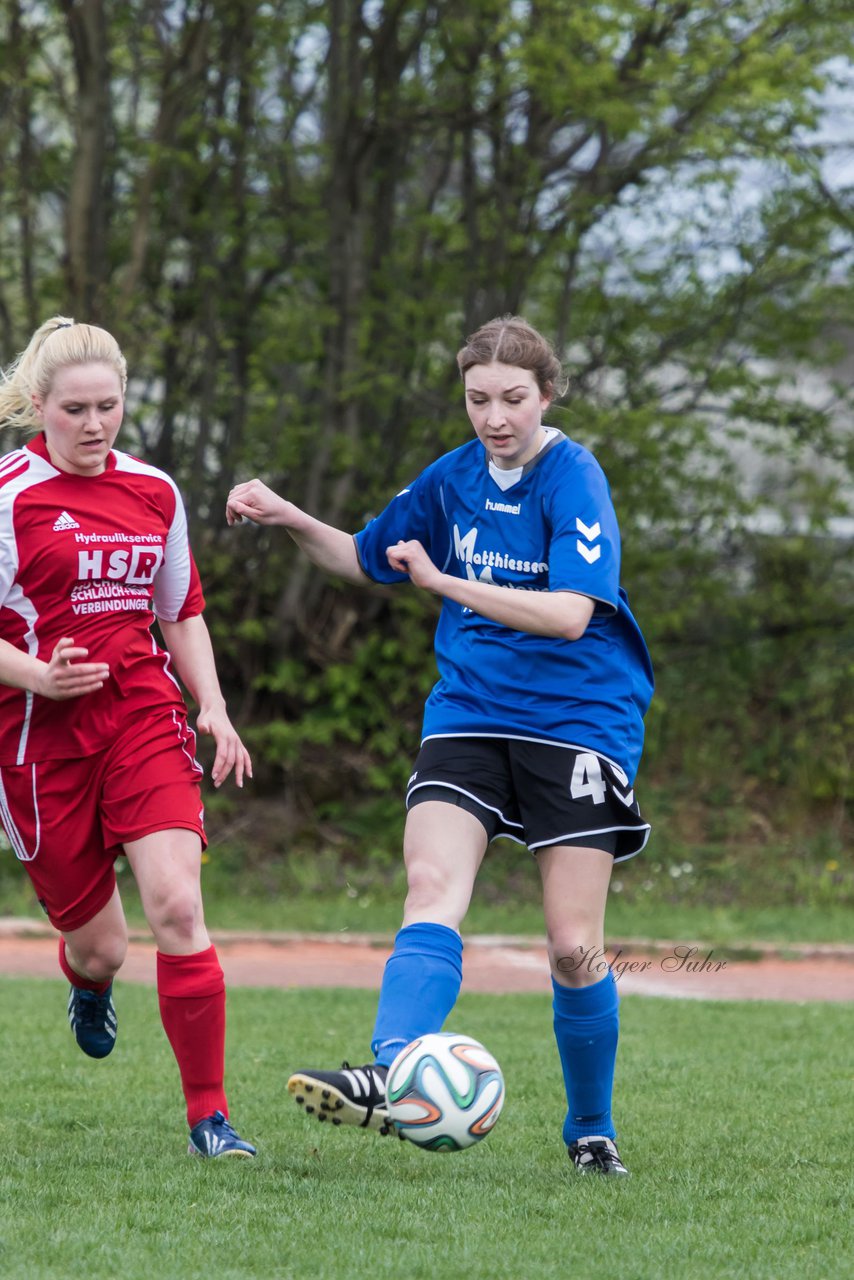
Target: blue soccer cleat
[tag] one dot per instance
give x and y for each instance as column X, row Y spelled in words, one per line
column 214, row 1137
column 92, row 1018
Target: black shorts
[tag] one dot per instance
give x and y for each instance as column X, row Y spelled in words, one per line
column 537, row 793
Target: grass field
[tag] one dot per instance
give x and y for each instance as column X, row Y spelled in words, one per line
column 695, row 882
column 237, row 901
column 730, row 1118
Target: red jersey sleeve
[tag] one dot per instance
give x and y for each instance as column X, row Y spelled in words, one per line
column 177, row 586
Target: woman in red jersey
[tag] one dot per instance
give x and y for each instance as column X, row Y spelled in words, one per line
column 96, row 755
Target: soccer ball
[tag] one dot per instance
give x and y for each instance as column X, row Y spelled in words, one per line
column 444, row 1092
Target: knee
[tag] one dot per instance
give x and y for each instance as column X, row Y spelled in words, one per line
column 431, row 895
column 577, row 957
column 425, row 887
column 176, row 913
column 100, row 959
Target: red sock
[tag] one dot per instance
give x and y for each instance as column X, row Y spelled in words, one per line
column 76, row 979
column 192, row 1006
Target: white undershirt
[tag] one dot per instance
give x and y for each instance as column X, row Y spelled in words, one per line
column 506, row 479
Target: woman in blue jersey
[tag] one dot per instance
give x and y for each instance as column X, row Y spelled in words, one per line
column 533, row 730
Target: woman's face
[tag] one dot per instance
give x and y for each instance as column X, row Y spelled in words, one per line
column 81, row 416
column 505, row 406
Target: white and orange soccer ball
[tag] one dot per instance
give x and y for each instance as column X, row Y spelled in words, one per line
column 444, row 1092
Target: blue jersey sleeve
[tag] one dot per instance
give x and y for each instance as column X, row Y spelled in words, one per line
column 584, row 552
column 412, row 514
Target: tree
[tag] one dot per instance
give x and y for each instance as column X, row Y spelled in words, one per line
column 294, row 211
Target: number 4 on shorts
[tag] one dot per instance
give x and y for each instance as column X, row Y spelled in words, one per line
column 587, row 778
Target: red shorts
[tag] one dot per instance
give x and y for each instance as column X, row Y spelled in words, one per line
column 67, row 820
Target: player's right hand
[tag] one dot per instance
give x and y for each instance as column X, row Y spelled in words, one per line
column 66, row 676
column 253, row 500
column 411, row 557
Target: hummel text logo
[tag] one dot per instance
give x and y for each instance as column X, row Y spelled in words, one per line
column 65, row 521
column 509, row 508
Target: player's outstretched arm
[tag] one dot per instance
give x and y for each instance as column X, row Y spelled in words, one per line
column 329, row 548
column 189, row 643
column 64, row 676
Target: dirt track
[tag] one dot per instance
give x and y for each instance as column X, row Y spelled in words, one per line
column 28, row 948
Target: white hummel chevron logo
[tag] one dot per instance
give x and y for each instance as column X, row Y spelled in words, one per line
column 590, row 532
column 590, row 554
column 65, row 521
column 623, row 778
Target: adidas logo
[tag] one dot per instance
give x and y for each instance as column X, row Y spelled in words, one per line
column 214, row 1144
column 65, row 521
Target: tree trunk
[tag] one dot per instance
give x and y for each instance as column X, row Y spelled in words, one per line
column 86, row 258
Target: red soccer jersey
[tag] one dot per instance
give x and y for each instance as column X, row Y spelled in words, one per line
column 95, row 558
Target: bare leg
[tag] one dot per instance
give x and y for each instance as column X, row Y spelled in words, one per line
column 575, row 893
column 443, row 847
column 96, row 950
column 167, row 867
column 443, row 850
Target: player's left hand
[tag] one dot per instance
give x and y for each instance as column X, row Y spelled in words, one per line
column 410, row 557
column 230, row 751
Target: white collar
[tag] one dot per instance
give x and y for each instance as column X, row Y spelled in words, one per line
column 504, row 478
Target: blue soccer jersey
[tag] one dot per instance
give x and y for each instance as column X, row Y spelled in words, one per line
column 554, row 529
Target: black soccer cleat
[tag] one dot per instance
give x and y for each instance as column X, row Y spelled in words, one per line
column 353, row 1095
column 597, row 1155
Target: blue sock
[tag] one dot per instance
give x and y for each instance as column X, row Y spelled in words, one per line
column 586, row 1024
column 420, row 986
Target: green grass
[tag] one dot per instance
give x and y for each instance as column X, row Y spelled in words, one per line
column 729, row 1117
column 721, row 883
column 244, row 903
column 709, row 880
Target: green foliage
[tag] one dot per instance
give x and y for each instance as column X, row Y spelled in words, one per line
column 297, row 216
column 756, row 689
